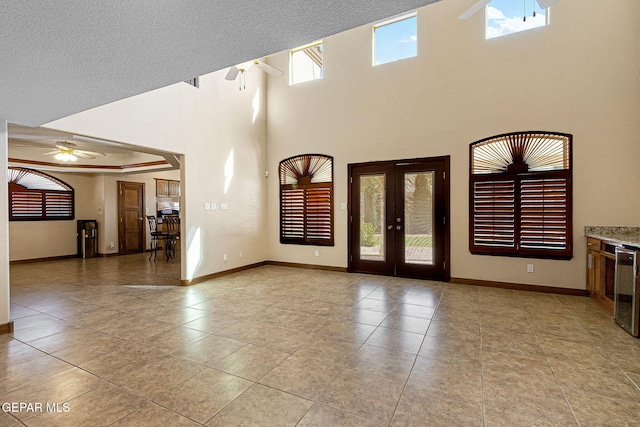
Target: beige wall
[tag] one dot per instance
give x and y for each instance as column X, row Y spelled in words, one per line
column 221, row 134
column 578, row 75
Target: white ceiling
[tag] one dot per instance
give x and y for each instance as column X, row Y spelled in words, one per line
column 61, row 57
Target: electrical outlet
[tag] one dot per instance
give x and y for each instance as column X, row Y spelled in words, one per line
column 343, row 206
column 112, row 245
column 317, row 253
column 529, row 268
column 240, row 254
column 225, row 257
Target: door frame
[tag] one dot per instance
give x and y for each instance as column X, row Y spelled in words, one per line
column 445, row 211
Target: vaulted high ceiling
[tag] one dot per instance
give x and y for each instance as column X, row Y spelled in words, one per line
column 61, row 57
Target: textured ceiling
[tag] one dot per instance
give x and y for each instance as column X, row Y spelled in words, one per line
column 61, row 57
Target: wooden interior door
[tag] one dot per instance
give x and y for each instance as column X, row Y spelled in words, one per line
column 131, row 231
column 399, row 218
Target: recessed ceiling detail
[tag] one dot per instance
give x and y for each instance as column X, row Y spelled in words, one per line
column 49, row 149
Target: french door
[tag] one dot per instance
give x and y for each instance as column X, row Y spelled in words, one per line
column 399, row 218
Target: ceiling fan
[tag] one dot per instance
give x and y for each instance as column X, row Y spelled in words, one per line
column 241, row 69
column 67, row 152
column 482, row 3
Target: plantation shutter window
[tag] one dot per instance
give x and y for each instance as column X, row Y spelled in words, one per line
column 36, row 196
column 521, row 196
column 306, row 200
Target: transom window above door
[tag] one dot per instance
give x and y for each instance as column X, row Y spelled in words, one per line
column 521, row 195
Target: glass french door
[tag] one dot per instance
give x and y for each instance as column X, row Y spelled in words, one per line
column 399, row 218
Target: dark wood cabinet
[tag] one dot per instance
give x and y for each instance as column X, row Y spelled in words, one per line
column 601, row 266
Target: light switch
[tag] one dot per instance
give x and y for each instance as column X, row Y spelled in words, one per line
column 223, row 206
column 207, row 206
column 214, row 206
column 343, row 206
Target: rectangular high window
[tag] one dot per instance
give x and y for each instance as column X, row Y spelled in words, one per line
column 507, row 17
column 305, row 63
column 395, row 39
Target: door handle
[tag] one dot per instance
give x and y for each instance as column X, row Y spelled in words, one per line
column 398, row 227
column 140, row 219
column 390, row 227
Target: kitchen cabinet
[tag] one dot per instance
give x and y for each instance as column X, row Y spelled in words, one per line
column 601, row 266
column 167, row 188
column 174, row 188
column 593, row 264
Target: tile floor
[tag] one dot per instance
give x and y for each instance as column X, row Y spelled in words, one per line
column 277, row 346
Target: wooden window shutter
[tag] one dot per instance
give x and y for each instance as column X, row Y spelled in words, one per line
column 494, row 213
column 306, row 200
column 58, row 204
column 544, row 213
column 318, row 215
column 520, row 195
column 292, row 218
column 25, row 204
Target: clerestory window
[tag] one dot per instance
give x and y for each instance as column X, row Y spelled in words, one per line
column 36, row 196
column 505, row 17
column 521, row 195
column 305, row 63
column 306, row 200
column 395, row 39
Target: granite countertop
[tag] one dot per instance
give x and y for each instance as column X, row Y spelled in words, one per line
column 624, row 235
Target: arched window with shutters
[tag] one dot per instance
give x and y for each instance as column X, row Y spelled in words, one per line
column 36, row 196
column 306, row 200
column 521, row 195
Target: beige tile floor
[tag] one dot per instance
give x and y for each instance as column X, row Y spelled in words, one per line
column 276, row 346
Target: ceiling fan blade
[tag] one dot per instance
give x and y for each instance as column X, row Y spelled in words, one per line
column 51, row 153
column 83, row 155
column 232, row 74
column 474, row 9
column 89, row 153
column 546, row 3
column 268, row 68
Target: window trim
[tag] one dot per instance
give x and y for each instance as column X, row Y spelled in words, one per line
column 47, row 211
column 306, row 186
column 519, row 249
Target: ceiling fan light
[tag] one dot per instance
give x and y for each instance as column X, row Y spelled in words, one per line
column 65, row 157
